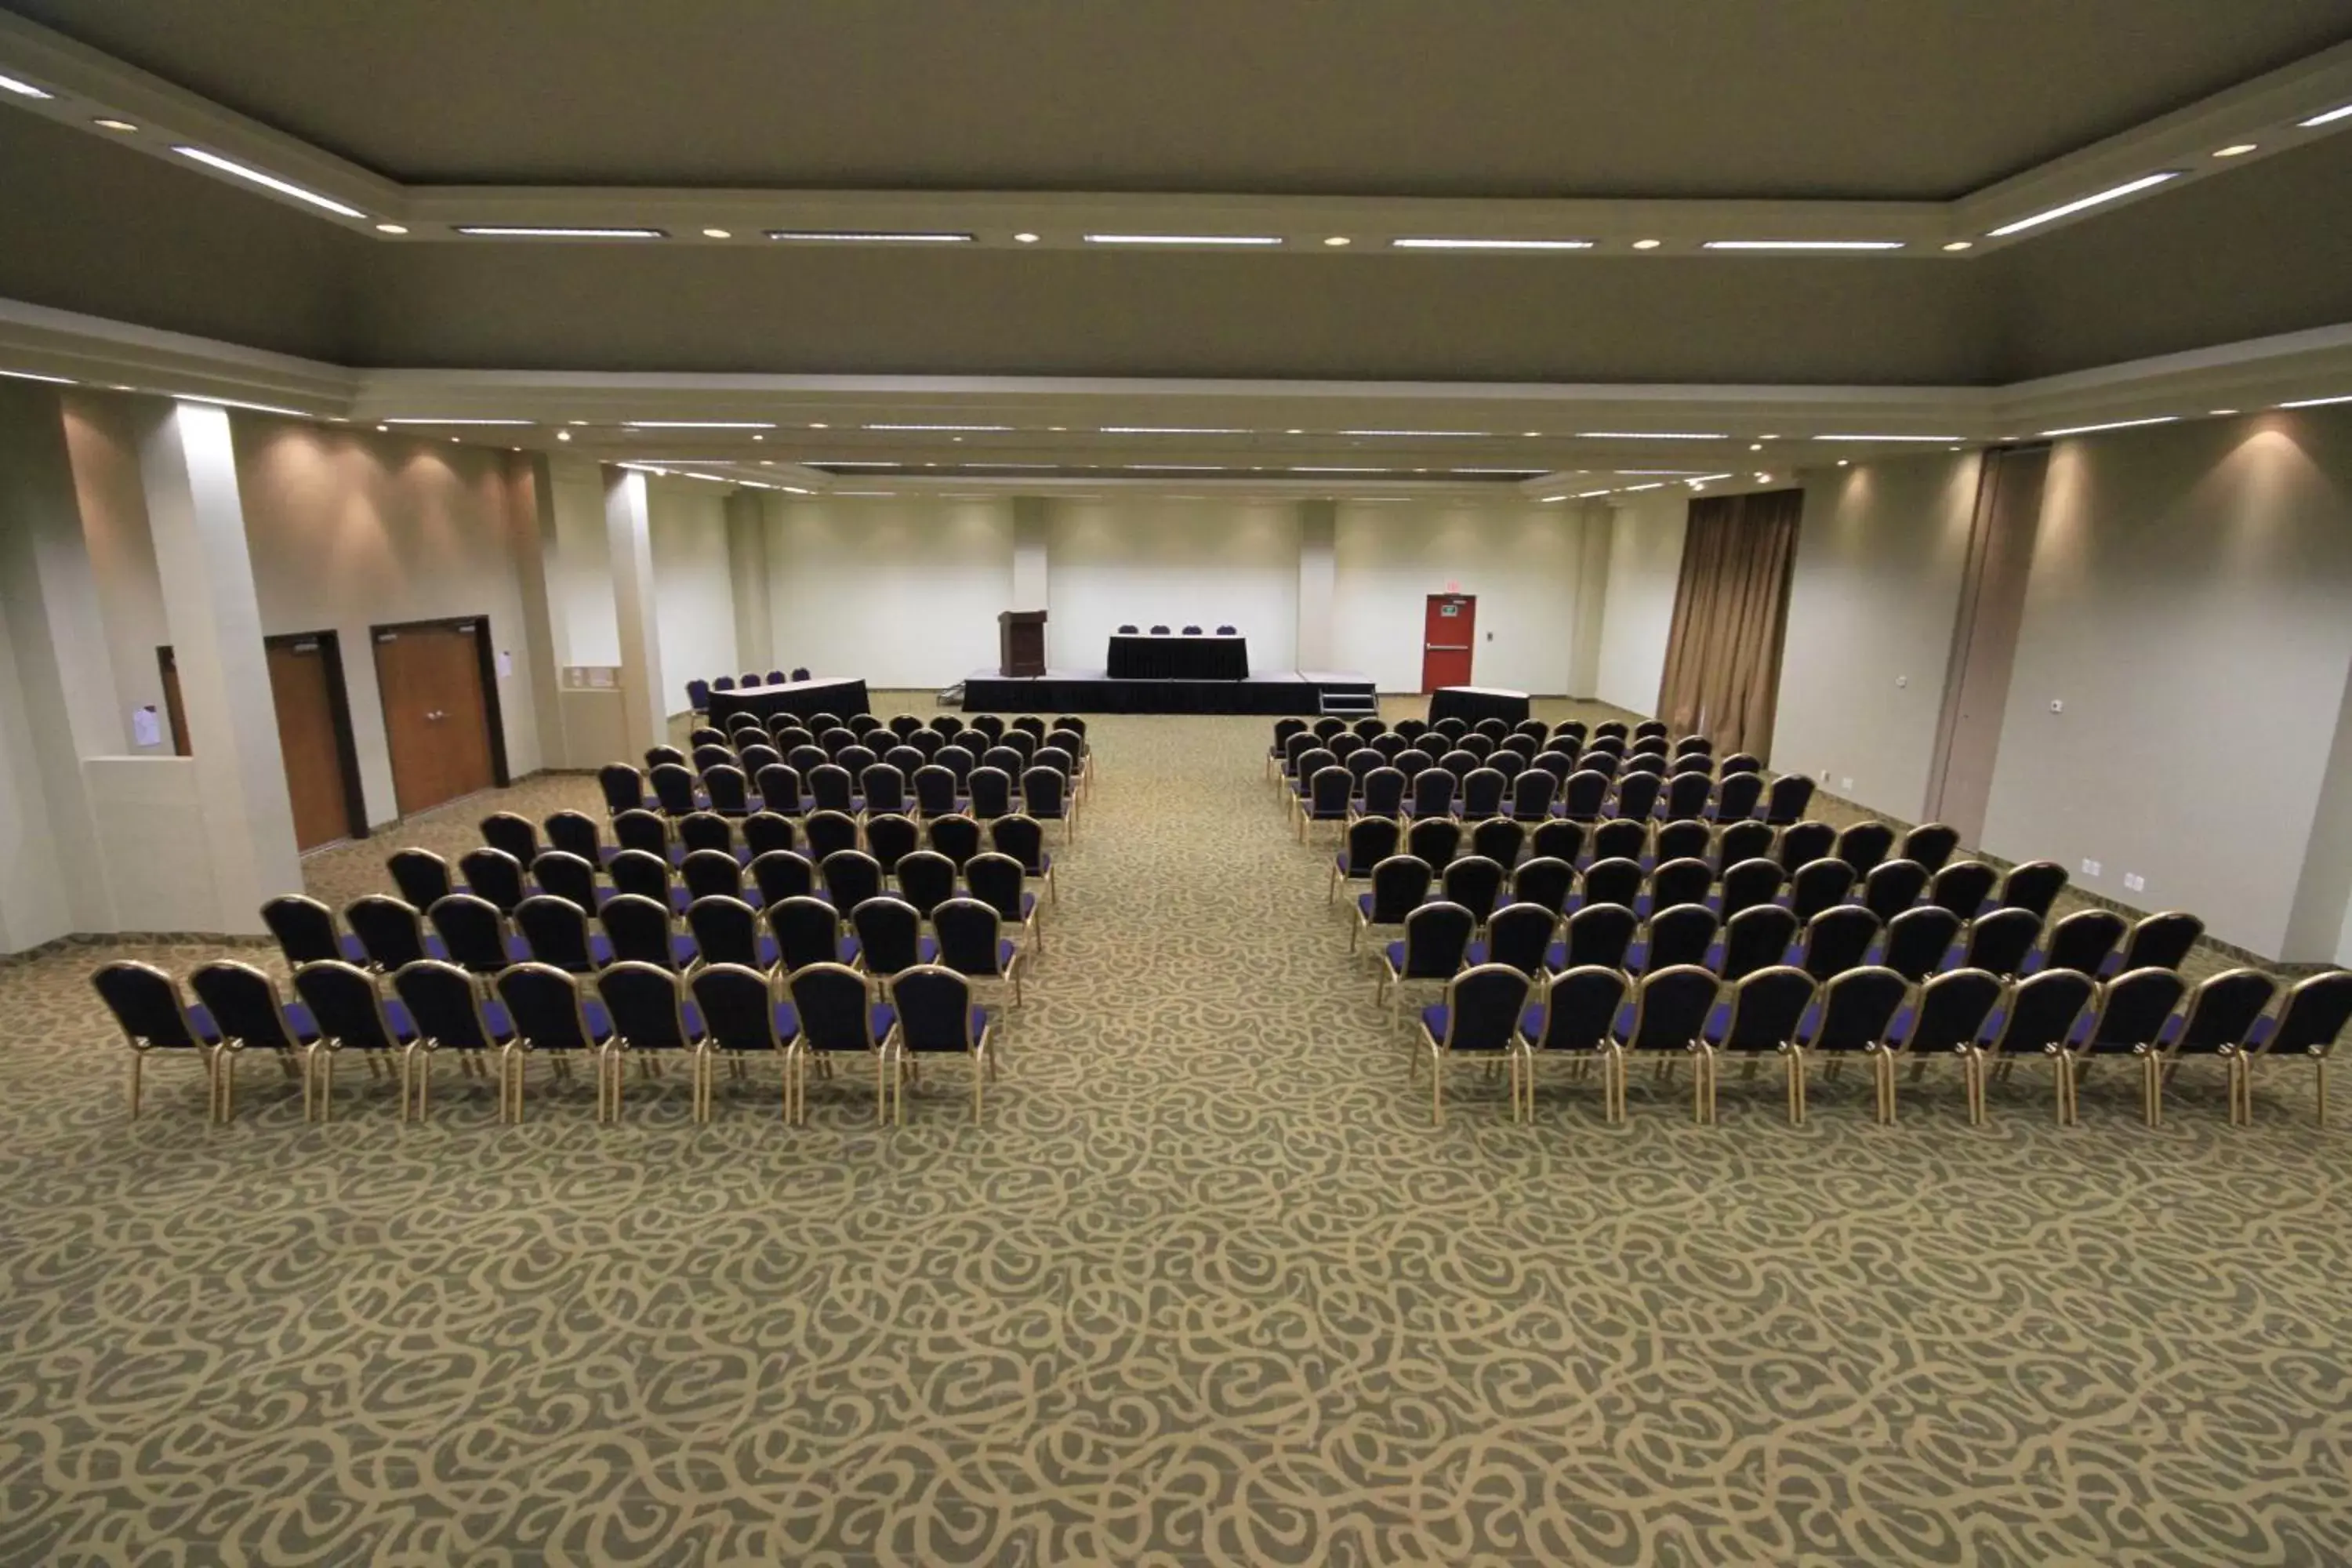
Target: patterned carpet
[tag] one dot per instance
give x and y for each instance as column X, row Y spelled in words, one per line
column 1205, row 1288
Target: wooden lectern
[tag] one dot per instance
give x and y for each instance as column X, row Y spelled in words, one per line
column 1021, row 642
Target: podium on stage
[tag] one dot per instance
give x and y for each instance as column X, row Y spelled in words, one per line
column 1021, row 642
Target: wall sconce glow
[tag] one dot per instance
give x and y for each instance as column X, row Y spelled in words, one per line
column 1887, row 437
column 1166, row 430
column 699, row 423
column 1805, row 245
column 2328, row 118
column 2081, row 204
column 23, row 88
column 28, row 375
column 1183, row 239
column 528, row 231
column 1442, row 242
column 2234, row 150
column 872, row 236
column 267, row 180
column 1651, row 436
column 2112, row 425
column 423, row 421
column 252, row 407
column 2317, row 402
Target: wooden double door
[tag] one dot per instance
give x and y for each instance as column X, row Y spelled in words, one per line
column 440, row 712
column 314, row 734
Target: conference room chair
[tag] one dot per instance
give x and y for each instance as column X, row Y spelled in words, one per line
column 569, row 877
column 1399, row 885
column 1381, row 792
column 1523, row 747
column 701, row 830
column 1670, row 1013
column 1892, row 886
column 1521, row 936
column 1000, row 882
column 710, row 874
column 752, row 759
column 1126, row 630
column 1412, row 762
column 934, row 1016
column 706, row 735
column 514, row 833
column 2159, row 941
column 1949, row 1017
column 1854, row 1015
column 421, row 876
column 1434, row 840
column 474, row 934
column 1432, row 793
column 989, row 725
column 807, row 931
column 1192, row 631
column 969, row 937
column 780, row 874
column 1364, row 843
column 495, row 875
column 659, row 756
column 1803, row 843
column 727, row 931
column 2039, row 1020
column 2220, row 1020
column 550, row 1017
column 924, row 879
column 1820, row 885
column 1028, row 725
column 2083, row 941
column 990, row 791
column 745, row 729
column 740, row 1016
column 1545, row 881
column 1482, row 789
column 2130, row 1017
column 1682, row 934
column 1787, row 799
column 1917, row 940
column 640, row 830
column 1749, row 883
column 1582, row 796
column 1478, row 1019
column 776, row 678
column 1863, row 846
column 576, row 833
column 243, row 1007
column 1651, row 729
column 2034, row 885
column 390, row 932
column 153, row 1015
column 767, row 830
column 854, row 760
column 1434, row 948
column 1930, row 844
column 622, row 787
column 1459, row 759
column 1612, row 881
column 837, row 1018
column 674, row 788
column 1766, row 1009
column 1673, row 883
column 1559, row 840
column 832, row 787
column 1598, row 935
column 1686, row 841
column 850, row 877
column 1023, row 839
column 960, row 759
column 649, row 1017
column 806, row 758
column 642, row 874
column 936, row 793
column 2308, row 1024
column 1283, row 728
column 1644, row 763
column 884, row 789
column 1023, row 744
column 1045, row 798
column 1472, row 881
column 1737, row 842
column 800, row 672
column 1735, row 799
column 1837, row 939
column 1409, row 730
column 903, row 724
column 1687, row 797
column 1159, row 631
column 1573, row 1018
column 697, row 696
column 448, row 1012
column 927, row 745
column 1963, row 887
column 706, row 757
column 1754, row 939
column 750, row 678
column 1605, row 764
column 554, row 931
column 1532, row 794
column 1227, row 632
column 306, row 933
column 956, row 837
column 1498, row 838
column 2001, row 941
column 905, row 758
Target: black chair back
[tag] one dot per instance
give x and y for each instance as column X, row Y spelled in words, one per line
column 472, row 931
column 1543, row 880
column 807, row 931
column 544, row 1005
column 305, row 928
column 935, row 1010
column 767, row 831
column 2083, row 941
column 1583, row 794
column 1679, row 883
column 244, row 1004
column 146, row 1005
column 566, row 876
column 1436, row 942
column 1962, row 888
column 1613, row 881
column 1044, row 793
column 1475, row 882
column 1601, row 934
column 890, row 839
column 1683, row 841
column 390, row 930
column 1858, row 1009
column 1767, row 1007
column 575, row 833
column 1520, row 935
column 1737, row 794
column 1758, row 938
column 1864, row 845
column 1837, row 939
column 828, row 832
column 738, row 1008
column 1917, row 940
column 648, row 1006
column 1820, row 886
column 1749, row 883
column 1619, row 838
column 623, row 787
column 2034, row 885
column 726, row 930
column 643, row 831
column 643, row 874
column 422, row 876
column 1953, row 1008
column 1931, row 845
column 2314, row 1014
column 556, row 930
column 2162, row 941
column 1999, row 941
column 782, row 874
column 2134, row 1009
column 672, row 787
column 1803, row 843
column 1580, row 1009
column 2042, row 1011
column 996, row 880
column 970, row 937
column 704, row 830
column 445, row 1006
column 1558, row 840
column 2224, row 1010
column 925, row 879
column 1023, row 839
column 495, row 875
column 1434, row 839
column 1892, row 886
column 1739, row 841
column 1787, row 800
column 1670, row 1008
column 831, row 1003
column 1680, row 935
column 1400, row 883
column 1482, row 1008
column 1637, row 794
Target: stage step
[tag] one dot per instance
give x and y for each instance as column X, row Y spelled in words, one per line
column 1348, row 699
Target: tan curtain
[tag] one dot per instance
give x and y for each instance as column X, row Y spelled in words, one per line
column 1722, row 677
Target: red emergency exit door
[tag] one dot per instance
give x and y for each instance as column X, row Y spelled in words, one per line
column 1448, row 640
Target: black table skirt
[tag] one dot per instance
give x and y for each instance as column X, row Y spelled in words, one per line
column 1146, row 657
column 1471, row 704
column 801, row 699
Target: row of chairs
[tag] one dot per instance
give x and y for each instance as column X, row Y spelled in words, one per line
column 751, row 746
column 1188, row 631
column 823, row 1012
column 1049, row 790
column 1574, row 729
column 2151, row 1016
column 1865, row 848
column 786, row 729
column 698, row 691
column 1335, row 793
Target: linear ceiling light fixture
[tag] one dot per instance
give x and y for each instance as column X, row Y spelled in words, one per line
column 1413, row 435
column 699, row 423
column 2083, row 203
column 1880, row 437
column 872, row 235
column 30, row 376
column 2317, row 402
column 1183, row 239
column 1803, row 244
column 1442, row 242
column 1331, row 470
column 530, row 231
column 267, row 180
column 1651, row 436
column 984, row 429
column 2112, row 425
column 2328, row 118
column 1167, row 430
column 1653, row 485
column 423, row 421
column 27, row 90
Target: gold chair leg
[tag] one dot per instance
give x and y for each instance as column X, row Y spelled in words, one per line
column 1702, row 1083
column 1613, row 1083
column 2319, row 1084
column 136, row 1056
column 1796, row 1072
column 1972, row 1083
column 2151, row 1088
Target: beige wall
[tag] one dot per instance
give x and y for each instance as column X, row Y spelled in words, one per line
column 694, row 594
column 1645, row 560
column 1522, row 560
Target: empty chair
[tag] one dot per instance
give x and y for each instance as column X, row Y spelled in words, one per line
column 1647, row 763
column 1803, row 843
column 2133, row 1011
column 1739, row 762
column 1786, row 801
column 836, row 1018
column 1930, row 844
column 782, row 874
column 1381, row 794
column 1682, row 934
column 1751, row 883
column 828, row 832
column 1432, row 794
column 2219, row 1021
column 1620, row 839
column 1482, row 792
column 757, row 757
column 1614, row 880
column 389, row 931
column 1559, row 840
column 1758, row 937
column 1637, row 794
column 514, row 834
column 1433, row 949
column 575, row 833
column 2034, row 885
column 997, row 881
column 1399, row 885
column 740, row 1016
column 1917, row 940
column 556, row 932
column 1581, row 795
column 1687, row 797
column 832, row 788
column 1325, row 798
column 446, row 1012
column 1599, row 761
column 934, row 1016
column 1680, row 882
column 1951, row 1015
column 1736, row 795
column 1962, row 888
column 1670, row 1013
column 1864, row 845
column 2083, row 940
column 1545, row 881
column 1767, row 1007
column 851, row 876
column 704, row 830
column 711, row 874
column 991, row 790
column 727, row 931
column 1024, row 839
column 885, row 789
column 1044, row 798
column 925, row 879
column 1472, row 881
column 2160, row 941
column 1433, row 838
column 729, row 790
column 1681, row 841
column 1412, row 762
column 246, row 1010
column 1820, row 885
column 549, row 1015
column 658, row 756
column 1599, row 934
column 566, row 876
column 1741, row 841
column 1365, row 843
column 645, row 876
column 936, row 793
column 672, row 787
column 1855, row 1015
column 890, row 839
column 1892, row 886
column 649, row 1013
column 807, row 931
column 150, row 1012
column 806, row 759
column 1497, row 838
column 1532, row 796
column 1521, row 936
column 305, row 930
column 2001, row 941
column 957, row 838
column 643, row 831
column 2042, row 1015
column 712, row 754
column 1574, row 1019
column 474, row 934
column 1837, row 939
column 422, row 876
column 766, row 831
column 2313, row 1014
column 970, row 939
column 1479, row 1018
column 1283, row 728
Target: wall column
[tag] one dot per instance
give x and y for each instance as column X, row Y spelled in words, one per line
column 628, row 529
column 189, row 466
column 1318, row 574
column 747, row 570
column 1592, row 602
column 1029, row 562
column 530, row 518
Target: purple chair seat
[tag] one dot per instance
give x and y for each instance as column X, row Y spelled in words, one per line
column 1718, row 1025
column 788, row 1023
column 200, row 1019
column 1435, row 1016
column 354, row 950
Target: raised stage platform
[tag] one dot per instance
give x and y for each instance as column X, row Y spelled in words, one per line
column 1095, row 691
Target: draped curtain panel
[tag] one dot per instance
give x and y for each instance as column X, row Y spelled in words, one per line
column 1722, row 675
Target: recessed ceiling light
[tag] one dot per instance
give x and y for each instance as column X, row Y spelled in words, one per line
column 1878, row 437
column 1588, row 495
column 383, row 428
column 1960, row 245
column 22, row 89
column 1025, row 237
column 2329, row 118
column 1805, row 245
column 2234, row 150
column 1844, row 463
column 1294, row 432
column 391, row 228
column 576, row 423
column 2317, row 402
column 419, row 420
column 819, row 424
column 872, row 236
column 1260, row 239
column 267, row 180
column 526, row 231
column 1530, row 432
column 699, row 424
column 1167, row 430
column 1337, row 239
column 1333, row 470
column 1644, row 245
column 2112, row 425
column 717, row 234
column 564, row 435
column 110, row 124
column 452, row 440
column 2113, row 193
column 1651, row 436
column 759, row 437
column 1755, row 446
column 28, row 375
column 1444, row 243
column 1763, row 478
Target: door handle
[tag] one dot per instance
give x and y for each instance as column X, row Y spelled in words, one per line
column 1446, row 647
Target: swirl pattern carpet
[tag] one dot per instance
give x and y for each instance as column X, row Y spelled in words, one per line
column 1205, row 1288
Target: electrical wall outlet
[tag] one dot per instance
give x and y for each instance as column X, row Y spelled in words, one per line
column 2090, row 867
column 2135, row 883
